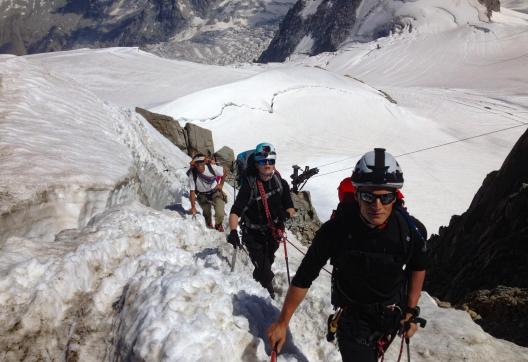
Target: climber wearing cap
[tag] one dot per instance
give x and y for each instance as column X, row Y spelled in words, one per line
column 206, row 181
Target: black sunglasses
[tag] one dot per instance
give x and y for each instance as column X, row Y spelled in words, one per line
column 266, row 162
column 369, row 197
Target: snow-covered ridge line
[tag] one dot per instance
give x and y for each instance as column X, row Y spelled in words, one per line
column 242, row 94
column 55, row 141
column 269, row 108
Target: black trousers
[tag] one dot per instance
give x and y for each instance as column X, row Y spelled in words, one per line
column 359, row 331
column 261, row 248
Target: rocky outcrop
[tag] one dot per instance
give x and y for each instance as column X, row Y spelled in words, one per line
column 306, row 222
column 313, row 25
column 487, row 245
column 502, row 311
column 199, row 140
column 191, row 139
column 167, row 126
column 226, row 158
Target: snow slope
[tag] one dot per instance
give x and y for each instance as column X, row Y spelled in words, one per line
column 131, row 77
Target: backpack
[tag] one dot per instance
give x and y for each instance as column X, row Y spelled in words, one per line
column 245, row 166
column 346, row 190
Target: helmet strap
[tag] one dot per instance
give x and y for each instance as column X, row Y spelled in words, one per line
column 379, row 165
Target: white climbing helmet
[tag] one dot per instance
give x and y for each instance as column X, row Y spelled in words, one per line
column 378, row 168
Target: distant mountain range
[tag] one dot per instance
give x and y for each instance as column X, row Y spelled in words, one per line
column 315, row 26
column 210, row 31
column 206, row 31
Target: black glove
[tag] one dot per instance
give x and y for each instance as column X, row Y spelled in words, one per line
column 233, row 239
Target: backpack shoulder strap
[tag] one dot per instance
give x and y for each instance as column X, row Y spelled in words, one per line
column 410, row 222
column 406, row 236
column 278, row 181
column 194, row 175
column 211, row 169
column 412, row 233
column 252, row 183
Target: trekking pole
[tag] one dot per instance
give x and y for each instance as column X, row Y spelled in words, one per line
column 407, row 341
column 233, row 260
column 284, row 240
column 234, row 182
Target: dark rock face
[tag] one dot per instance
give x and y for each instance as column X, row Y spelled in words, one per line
column 487, row 246
column 502, row 311
column 328, row 27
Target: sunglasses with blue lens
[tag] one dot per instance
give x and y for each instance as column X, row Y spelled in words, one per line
column 370, row 198
column 266, row 162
